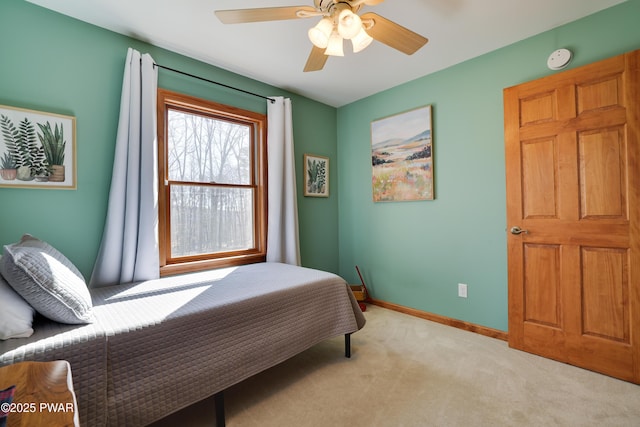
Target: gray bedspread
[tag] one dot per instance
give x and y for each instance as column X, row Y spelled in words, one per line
column 84, row 347
column 161, row 345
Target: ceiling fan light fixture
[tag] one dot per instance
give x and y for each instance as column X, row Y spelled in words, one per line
column 334, row 48
column 338, row 20
column 349, row 24
column 361, row 41
column 320, row 34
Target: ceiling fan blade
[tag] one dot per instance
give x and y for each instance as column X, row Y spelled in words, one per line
column 316, row 60
column 239, row 16
column 367, row 2
column 393, row 35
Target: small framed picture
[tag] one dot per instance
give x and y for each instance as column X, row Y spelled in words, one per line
column 37, row 149
column 316, row 176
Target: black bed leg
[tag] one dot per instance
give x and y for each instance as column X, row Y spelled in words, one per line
column 219, row 402
column 347, row 345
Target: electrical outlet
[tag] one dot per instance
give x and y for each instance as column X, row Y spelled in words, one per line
column 462, row 290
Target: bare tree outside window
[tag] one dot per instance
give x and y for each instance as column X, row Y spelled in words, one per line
column 209, row 219
column 212, row 186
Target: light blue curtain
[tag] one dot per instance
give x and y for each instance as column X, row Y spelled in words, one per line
column 129, row 247
column 282, row 237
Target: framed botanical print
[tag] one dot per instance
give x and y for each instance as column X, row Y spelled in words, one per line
column 316, row 176
column 37, row 149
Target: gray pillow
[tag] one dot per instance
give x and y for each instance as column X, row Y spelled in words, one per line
column 47, row 280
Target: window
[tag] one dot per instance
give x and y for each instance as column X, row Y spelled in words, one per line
column 212, row 189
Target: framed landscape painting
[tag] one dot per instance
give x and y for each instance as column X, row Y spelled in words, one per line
column 402, row 157
column 316, row 176
column 37, row 149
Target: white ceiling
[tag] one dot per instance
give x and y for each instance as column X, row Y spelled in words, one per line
column 275, row 52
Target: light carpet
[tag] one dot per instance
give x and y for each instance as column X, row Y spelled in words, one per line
column 406, row 371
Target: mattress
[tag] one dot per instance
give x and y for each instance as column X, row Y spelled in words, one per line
column 177, row 340
column 83, row 346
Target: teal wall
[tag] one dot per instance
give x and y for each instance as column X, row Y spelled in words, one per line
column 415, row 253
column 50, row 62
column 412, row 253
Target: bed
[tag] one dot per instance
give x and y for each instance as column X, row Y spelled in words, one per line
column 158, row 346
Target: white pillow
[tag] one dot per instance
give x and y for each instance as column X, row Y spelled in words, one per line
column 16, row 315
column 47, row 280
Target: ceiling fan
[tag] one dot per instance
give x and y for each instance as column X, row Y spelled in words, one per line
column 339, row 21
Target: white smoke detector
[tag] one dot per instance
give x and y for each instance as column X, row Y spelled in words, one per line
column 559, row 59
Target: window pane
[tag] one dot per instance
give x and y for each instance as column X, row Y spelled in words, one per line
column 208, row 220
column 204, row 149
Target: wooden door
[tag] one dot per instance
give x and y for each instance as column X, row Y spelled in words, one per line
column 573, row 187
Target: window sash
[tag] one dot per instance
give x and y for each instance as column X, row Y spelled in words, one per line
column 255, row 251
column 209, row 124
column 214, row 222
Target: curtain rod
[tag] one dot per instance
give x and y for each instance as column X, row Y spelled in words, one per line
column 215, row 83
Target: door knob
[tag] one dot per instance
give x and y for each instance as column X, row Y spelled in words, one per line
column 518, row 230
